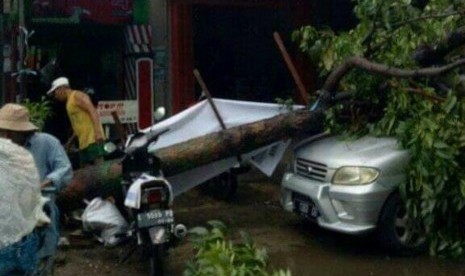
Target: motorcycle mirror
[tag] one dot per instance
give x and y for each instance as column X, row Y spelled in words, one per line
column 109, row 147
column 159, row 113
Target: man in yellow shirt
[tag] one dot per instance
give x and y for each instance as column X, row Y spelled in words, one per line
column 84, row 121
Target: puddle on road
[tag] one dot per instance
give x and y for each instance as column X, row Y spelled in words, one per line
column 325, row 253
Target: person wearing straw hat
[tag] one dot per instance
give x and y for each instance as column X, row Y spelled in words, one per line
column 84, row 121
column 49, row 156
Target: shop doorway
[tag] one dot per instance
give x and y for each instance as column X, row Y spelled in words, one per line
column 232, row 46
column 88, row 55
column 236, row 54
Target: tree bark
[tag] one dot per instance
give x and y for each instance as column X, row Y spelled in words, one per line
column 238, row 140
column 328, row 91
column 337, row 74
column 100, row 180
column 103, row 181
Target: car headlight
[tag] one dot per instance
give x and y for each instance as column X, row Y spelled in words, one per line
column 355, row 175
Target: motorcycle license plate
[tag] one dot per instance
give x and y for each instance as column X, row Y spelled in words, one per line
column 155, row 217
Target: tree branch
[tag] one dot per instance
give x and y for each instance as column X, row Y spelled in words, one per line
column 427, row 17
column 458, row 35
column 336, row 75
column 416, row 90
column 422, row 93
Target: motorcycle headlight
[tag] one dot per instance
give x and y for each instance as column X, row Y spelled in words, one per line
column 355, row 175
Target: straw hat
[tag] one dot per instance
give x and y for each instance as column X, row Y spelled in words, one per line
column 15, row 117
column 61, row 81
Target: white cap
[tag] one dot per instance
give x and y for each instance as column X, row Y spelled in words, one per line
column 62, row 81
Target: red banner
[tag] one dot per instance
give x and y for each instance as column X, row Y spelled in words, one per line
column 144, row 87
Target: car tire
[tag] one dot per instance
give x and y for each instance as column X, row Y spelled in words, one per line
column 397, row 231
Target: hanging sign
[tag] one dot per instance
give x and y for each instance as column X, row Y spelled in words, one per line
column 126, row 111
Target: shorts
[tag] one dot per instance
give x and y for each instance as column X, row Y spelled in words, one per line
column 20, row 257
column 91, row 153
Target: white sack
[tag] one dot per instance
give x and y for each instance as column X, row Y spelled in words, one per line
column 102, row 218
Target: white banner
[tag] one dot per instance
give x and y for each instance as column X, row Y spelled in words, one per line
column 199, row 120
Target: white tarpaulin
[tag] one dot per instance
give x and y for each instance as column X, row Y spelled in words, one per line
column 199, row 120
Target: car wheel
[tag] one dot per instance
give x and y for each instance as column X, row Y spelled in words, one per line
column 397, row 231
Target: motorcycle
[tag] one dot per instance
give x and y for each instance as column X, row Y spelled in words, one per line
column 148, row 201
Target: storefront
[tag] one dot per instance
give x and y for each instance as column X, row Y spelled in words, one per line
column 96, row 44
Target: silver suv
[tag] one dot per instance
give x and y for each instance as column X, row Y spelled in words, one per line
column 352, row 187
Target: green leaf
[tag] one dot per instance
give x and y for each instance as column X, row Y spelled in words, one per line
column 462, row 187
column 440, row 145
column 201, row 231
column 450, row 104
column 444, row 155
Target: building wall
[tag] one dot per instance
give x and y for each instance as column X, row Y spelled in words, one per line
column 160, row 28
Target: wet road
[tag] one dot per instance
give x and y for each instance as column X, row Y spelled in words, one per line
column 293, row 243
column 317, row 252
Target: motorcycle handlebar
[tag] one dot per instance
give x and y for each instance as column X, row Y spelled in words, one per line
column 150, row 137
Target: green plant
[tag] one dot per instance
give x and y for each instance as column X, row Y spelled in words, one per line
column 217, row 256
column 39, row 111
column 430, row 123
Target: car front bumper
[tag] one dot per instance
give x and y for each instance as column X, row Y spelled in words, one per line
column 346, row 209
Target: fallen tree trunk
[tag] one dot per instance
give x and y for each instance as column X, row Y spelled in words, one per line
column 238, row 140
column 102, row 180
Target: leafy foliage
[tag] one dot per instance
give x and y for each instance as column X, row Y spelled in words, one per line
column 285, row 103
column 430, row 125
column 217, row 256
column 39, row 111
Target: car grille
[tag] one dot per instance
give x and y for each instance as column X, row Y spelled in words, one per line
column 310, row 169
column 301, row 197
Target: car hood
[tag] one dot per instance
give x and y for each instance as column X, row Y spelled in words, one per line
column 335, row 152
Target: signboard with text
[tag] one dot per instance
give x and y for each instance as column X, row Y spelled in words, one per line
column 127, row 111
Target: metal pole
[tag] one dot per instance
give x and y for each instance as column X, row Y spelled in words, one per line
column 209, row 97
column 212, row 104
column 291, row 67
column 22, row 27
column 2, row 47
